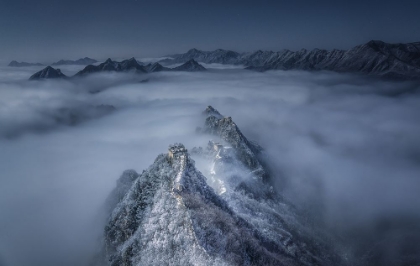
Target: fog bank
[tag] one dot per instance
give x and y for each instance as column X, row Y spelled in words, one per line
column 343, row 149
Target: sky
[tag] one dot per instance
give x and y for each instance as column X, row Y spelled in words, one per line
column 49, row 30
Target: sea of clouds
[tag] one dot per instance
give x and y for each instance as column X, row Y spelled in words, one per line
column 344, row 149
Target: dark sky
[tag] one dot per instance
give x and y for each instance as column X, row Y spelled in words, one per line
column 43, row 30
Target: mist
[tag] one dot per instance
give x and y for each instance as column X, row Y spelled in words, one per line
column 343, row 149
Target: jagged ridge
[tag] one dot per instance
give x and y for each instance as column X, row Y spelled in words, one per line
column 123, row 66
column 227, row 130
column 109, row 65
column 171, row 215
column 375, row 58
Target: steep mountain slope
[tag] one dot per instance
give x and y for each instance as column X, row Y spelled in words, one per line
column 48, row 73
column 81, row 61
column 171, row 214
column 226, row 129
column 109, row 65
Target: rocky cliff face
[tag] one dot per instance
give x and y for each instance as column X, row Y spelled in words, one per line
column 172, row 214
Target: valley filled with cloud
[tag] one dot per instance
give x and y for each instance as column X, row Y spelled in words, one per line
column 344, row 149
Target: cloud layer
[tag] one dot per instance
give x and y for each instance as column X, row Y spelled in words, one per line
column 343, row 148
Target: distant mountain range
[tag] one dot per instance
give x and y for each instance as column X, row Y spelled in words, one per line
column 81, row 61
column 129, row 65
column 23, row 64
column 376, row 58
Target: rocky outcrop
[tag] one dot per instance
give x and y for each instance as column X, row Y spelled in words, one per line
column 48, row 73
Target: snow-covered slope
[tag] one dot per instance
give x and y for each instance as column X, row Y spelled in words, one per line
column 48, row 73
column 172, row 214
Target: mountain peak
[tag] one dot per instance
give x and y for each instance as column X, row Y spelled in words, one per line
column 48, row 73
column 227, row 130
column 156, row 67
column 210, row 111
column 193, row 50
column 191, row 65
column 172, row 214
column 375, row 42
column 376, row 45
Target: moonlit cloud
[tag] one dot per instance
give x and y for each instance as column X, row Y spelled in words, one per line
column 346, row 150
